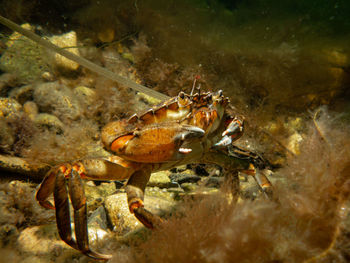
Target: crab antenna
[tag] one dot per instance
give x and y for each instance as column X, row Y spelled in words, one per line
column 82, row 61
column 194, row 83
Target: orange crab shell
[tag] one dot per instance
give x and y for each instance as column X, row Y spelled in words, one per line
column 156, row 135
column 156, row 143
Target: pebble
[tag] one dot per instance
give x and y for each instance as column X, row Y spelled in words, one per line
column 7, row 136
column 40, row 240
column 184, row 178
column 123, row 221
column 213, row 181
column 7, row 81
column 53, row 97
column 189, row 187
column 31, row 109
column 22, row 94
column 86, row 96
column 68, row 41
column 24, row 58
column 294, row 142
column 97, row 225
column 50, row 122
column 9, row 108
column 161, row 179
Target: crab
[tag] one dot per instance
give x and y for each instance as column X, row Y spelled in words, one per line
column 188, row 128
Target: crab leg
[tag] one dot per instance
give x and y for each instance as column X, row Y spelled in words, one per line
column 135, row 191
column 78, row 199
column 56, row 182
column 241, row 163
column 62, row 210
column 46, row 189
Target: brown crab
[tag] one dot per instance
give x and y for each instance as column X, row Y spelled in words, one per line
column 185, row 129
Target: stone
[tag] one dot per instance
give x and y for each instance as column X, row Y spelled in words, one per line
column 106, row 35
column 184, row 178
column 9, row 108
column 97, row 226
column 24, row 58
column 53, row 97
column 162, row 193
column 294, row 142
column 161, row 179
column 86, row 95
column 189, row 187
column 50, row 122
column 8, row 234
column 7, row 82
column 69, row 42
column 7, row 136
column 213, row 181
column 40, row 240
column 30, row 109
column 22, row 94
column 123, row 221
column 249, row 189
column 99, row 192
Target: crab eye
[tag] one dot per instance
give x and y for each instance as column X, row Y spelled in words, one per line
column 182, row 95
column 220, row 93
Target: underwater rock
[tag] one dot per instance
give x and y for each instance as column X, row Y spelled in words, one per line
column 57, row 99
column 106, row 35
column 50, row 122
column 119, row 215
column 294, row 142
column 97, row 226
column 69, row 42
column 86, row 95
column 213, row 181
column 23, row 58
column 22, row 94
column 189, row 187
column 161, row 179
column 7, row 137
column 121, row 218
column 30, row 109
column 7, row 82
column 181, row 178
column 8, row 234
column 249, row 188
column 95, row 194
column 169, row 193
column 21, row 166
column 9, row 108
column 41, row 240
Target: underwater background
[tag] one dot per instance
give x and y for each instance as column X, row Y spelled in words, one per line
column 285, row 65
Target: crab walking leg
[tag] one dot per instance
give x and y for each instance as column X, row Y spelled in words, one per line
column 135, row 191
column 111, row 168
column 46, row 188
column 243, row 165
column 264, row 183
column 60, row 194
column 78, row 199
column 56, row 182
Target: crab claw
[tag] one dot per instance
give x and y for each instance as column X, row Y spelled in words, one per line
column 187, row 135
column 235, row 127
column 225, row 141
column 233, row 132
